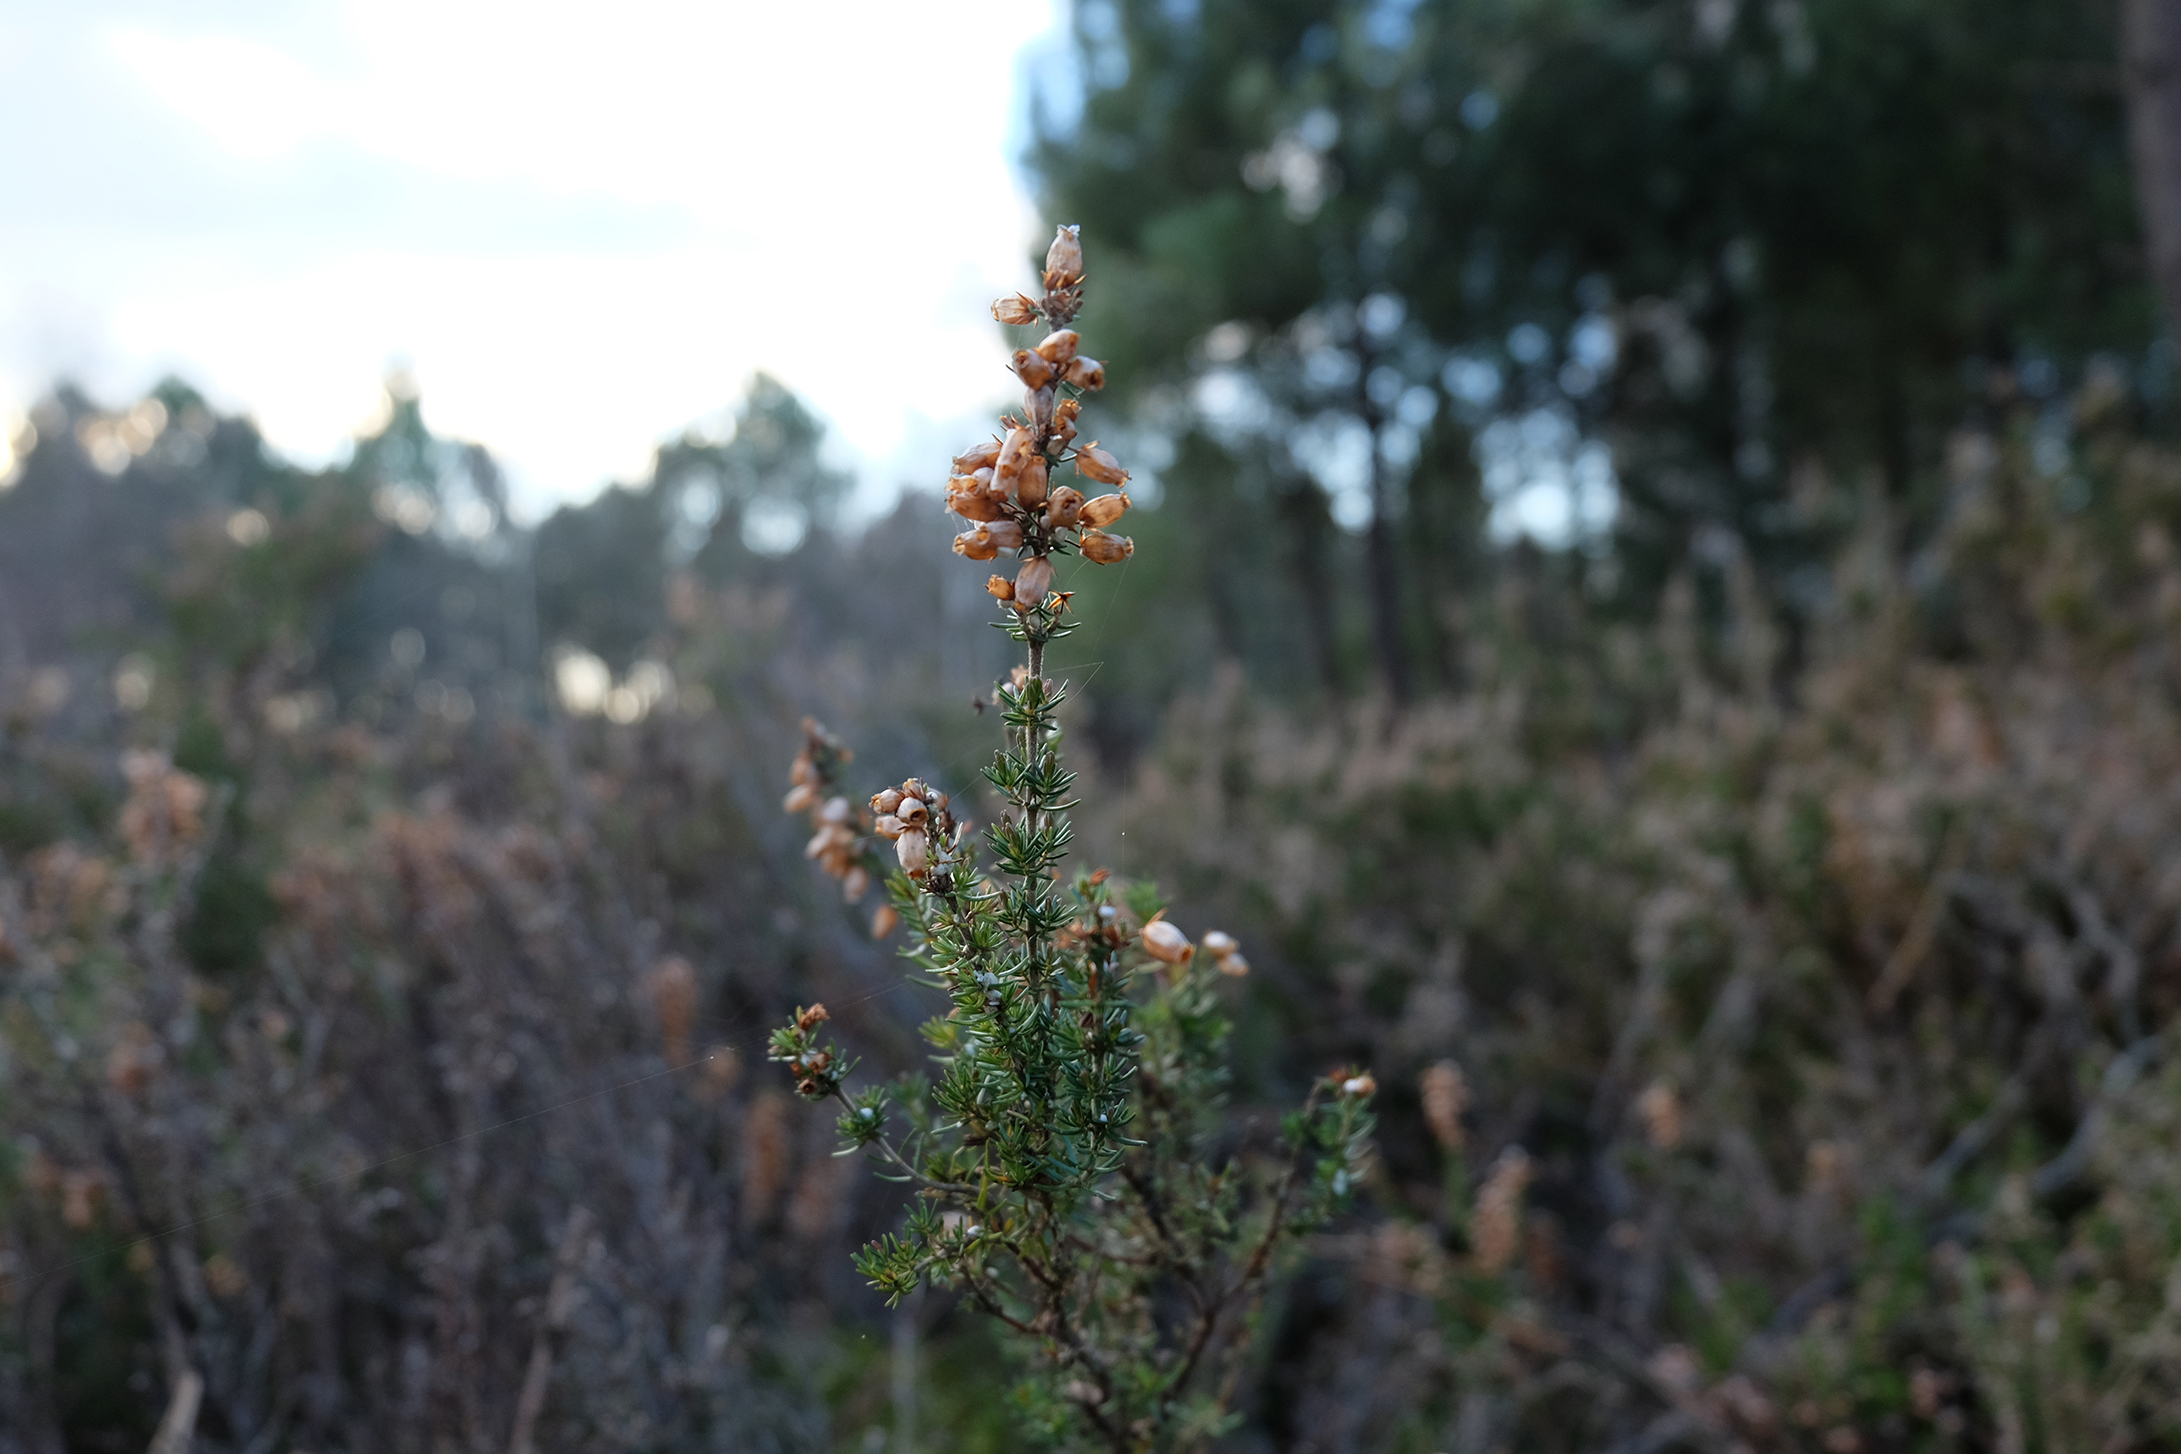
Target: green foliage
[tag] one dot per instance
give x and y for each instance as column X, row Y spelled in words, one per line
column 1059, row 1156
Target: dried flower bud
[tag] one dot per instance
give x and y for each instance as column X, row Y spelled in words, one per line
column 1006, row 534
column 1014, row 311
column 1104, row 549
column 914, row 853
column 1032, row 582
column 1000, row 588
column 1059, row 347
column 1040, row 404
column 827, row 839
column 1103, row 510
column 855, row 883
column 1013, row 450
column 1167, row 944
column 885, row 800
column 810, row 1019
column 973, row 460
column 1086, row 373
column 913, row 813
column 976, row 543
column 1064, row 259
column 799, row 798
column 1034, row 371
column 1099, row 465
column 1224, row 949
column 968, row 497
column 1062, row 506
column 802, row 770
column 1030, row 485
column 834, row 811
column 888, row 826
column 883, row 921
column 1361, row 1085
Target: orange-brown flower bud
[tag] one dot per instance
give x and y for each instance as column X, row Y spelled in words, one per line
column 1032, row 582
column 1039, row 404
column 1167, row 944
column 971, row 498
column 1066, row 410
column 970, row 461
column 1227, row 952
column 1103, row 510
column 1062, row 506
column 883, row 921
column 1006, row 534
column 885, row 800
column 799, row 798
column 1034, row 371
column 913, row 813
column 810, row 1019
column 1030, row 484
column 1086, row 373
column 888, row 827
column 976, row 543
column 1014, row 311
column 1106, row 549
column 1064, row 259
column 1099, row 465
column 914, row 853
column 1013, row 450
column 1059, row 346
column 855, row 883
column 803, row 770
column 1000, row 588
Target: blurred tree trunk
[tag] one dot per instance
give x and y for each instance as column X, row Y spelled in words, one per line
column 1381, row 561
column 1302, row 504
column 2151, row 70
column 1393, row 661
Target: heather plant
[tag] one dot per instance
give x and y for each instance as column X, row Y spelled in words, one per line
column 1791, row 1074
column 1068, row 1173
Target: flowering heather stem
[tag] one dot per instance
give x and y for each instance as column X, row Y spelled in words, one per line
column 1060, row 1152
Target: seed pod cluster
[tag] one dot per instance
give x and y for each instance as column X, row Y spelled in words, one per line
column 1226, row 953
column 1004, row 489
column 914, row 817
column 838, row 842
column 817, row 1065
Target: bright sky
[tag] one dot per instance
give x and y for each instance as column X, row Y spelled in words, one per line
column 581, row 228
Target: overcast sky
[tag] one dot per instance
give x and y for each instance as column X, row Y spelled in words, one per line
column 580, row 228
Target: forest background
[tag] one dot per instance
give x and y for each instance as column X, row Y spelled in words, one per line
column 1657, row 628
